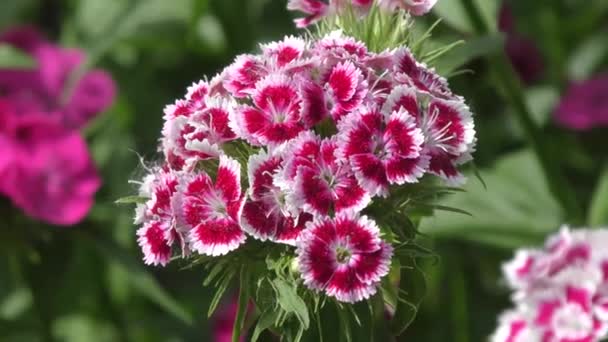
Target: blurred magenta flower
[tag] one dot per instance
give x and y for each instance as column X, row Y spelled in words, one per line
column 53, row 86
column 522, row 52
column 45, row 169
column 45, row 166
column 224, row 322
column 585, row 104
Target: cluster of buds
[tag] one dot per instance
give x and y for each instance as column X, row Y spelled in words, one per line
column 324, row 127
column 560, row 292
column 316, row 10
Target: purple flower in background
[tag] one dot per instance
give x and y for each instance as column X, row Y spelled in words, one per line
column 45, row 166
column 48, row 88
column 585, row 104
column 522, row 52
column 47, row 171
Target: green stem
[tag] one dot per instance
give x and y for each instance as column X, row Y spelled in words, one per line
column 511, row 85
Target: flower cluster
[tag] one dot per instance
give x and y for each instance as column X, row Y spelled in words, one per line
column 316, row 10
column 45, row 167
column 561, row 292
column 326, row 127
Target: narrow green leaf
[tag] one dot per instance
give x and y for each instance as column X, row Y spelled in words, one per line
column 13, row 58
column 412, row 288
column 290, row 301
column 598, row 212
column 344, row 323
column 139, row 278
column 131, row 200
column 219, row 293
column 242, row 305
column 444, row 208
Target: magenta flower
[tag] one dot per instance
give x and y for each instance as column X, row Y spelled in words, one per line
column 585, row 104
column 48, row 172
column 266, row 215
column 382, row 148
column 523, row 53
column 46, row 88
column 323, row 184
column 275, row 115
column 344, row 256
column 213, row 210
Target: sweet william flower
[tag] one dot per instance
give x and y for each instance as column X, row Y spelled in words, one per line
column 266, row 215
column 383, row 148
column 344, row 257
column 415, row 7
column 212, row 210
column 316, row 10
column 275, row 115
column 322, row 184
column 45, row 88
column 560, row 290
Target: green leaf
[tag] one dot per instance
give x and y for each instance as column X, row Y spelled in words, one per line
column 13, row 58
column 290, row 301
column 412, row 289
column 265, row 321
column 344, row 323
column 139, row 278
column 598, row 212
column 474, row 48
column 219, row 293
column 541, row 100
column 454, row 14
column 516, row 207
column 243, row 303
column 585, row 59
column 131, row 200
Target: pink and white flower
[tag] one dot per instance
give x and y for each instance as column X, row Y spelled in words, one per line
column 212, row 210
column 561, row 290
column 275, row 116
column 266, row 215
column 343, row 90
column 409, row 71
column 382, row 148
column 322, row 184
column 447, row 126
column 563, row 317
column 242, row 75
column 315, row 10
column 415, row 7
column 284, row 52
column 152, row 238
column 343, row 256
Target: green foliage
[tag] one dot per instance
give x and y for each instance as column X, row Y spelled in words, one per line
column 11, row 57
column 598, row 212
column 516, row 208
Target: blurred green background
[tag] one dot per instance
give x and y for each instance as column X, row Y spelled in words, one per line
column 87, row 283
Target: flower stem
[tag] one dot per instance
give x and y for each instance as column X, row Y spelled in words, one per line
column 513, row 92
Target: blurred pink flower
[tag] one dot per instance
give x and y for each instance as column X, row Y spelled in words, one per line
column 43, row 88
column 224, row 322
column 585, row 104
column 522, row 52
column 45, row 169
